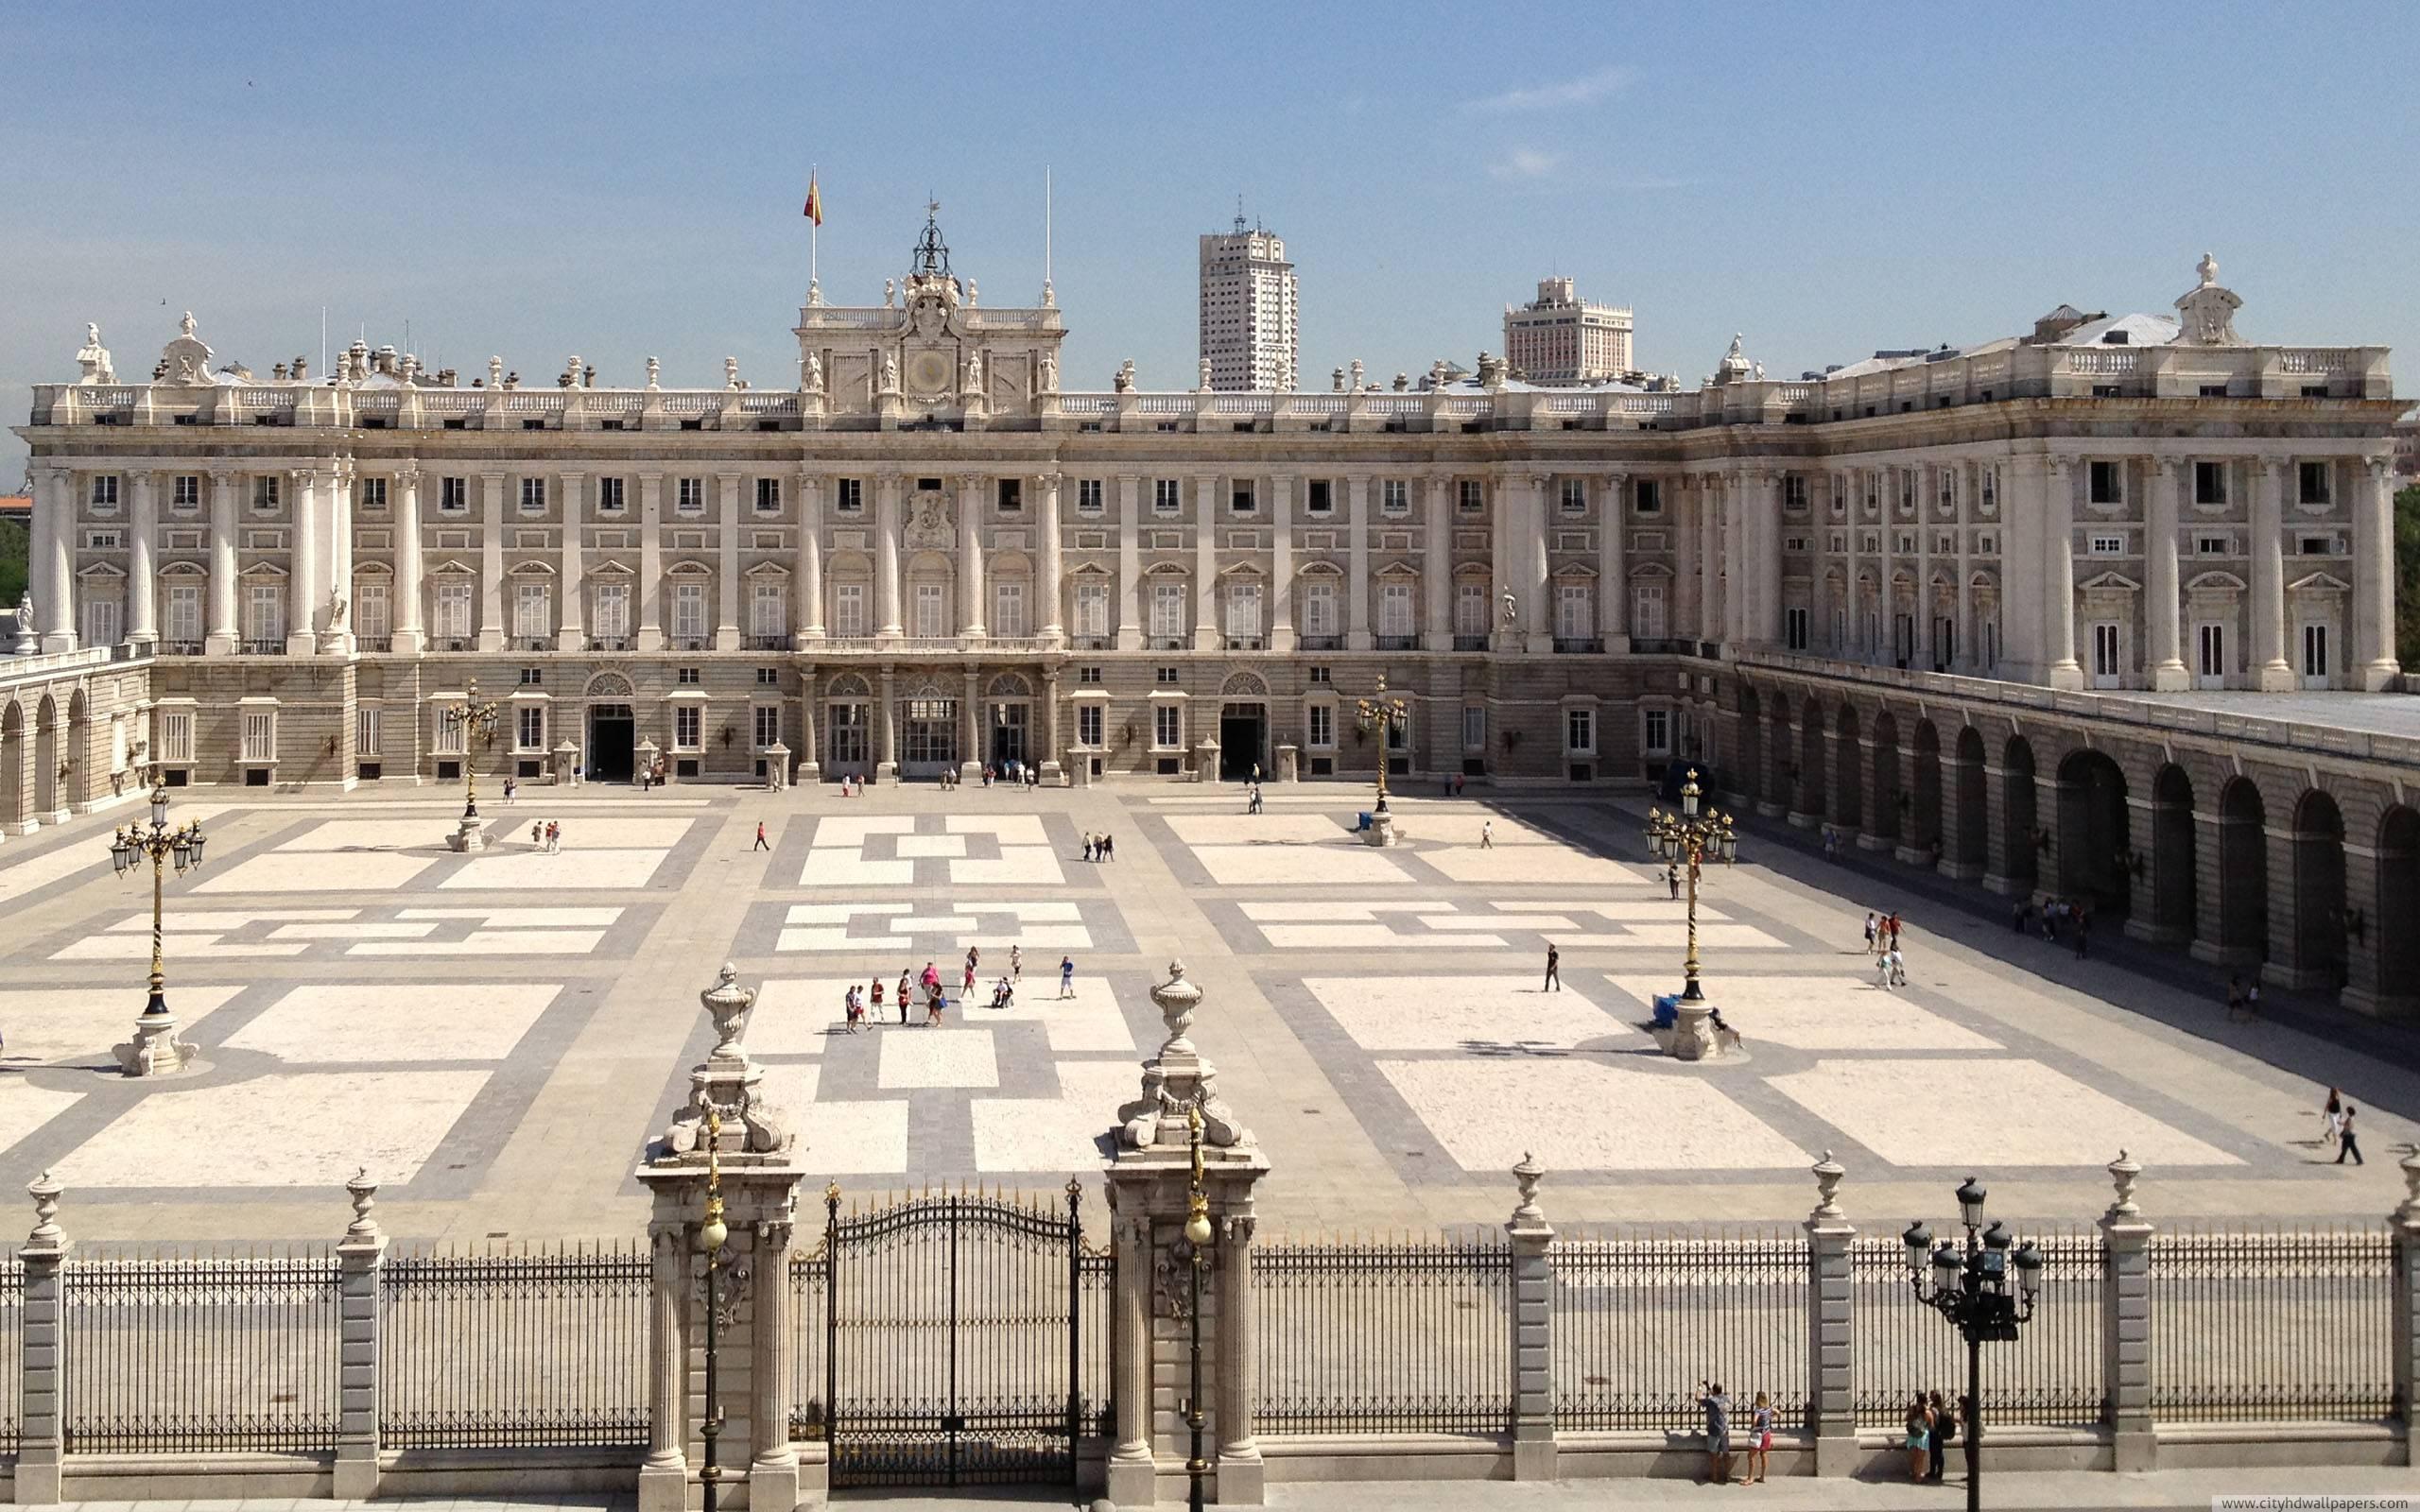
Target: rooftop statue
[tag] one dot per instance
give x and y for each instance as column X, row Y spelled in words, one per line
column 94, row 360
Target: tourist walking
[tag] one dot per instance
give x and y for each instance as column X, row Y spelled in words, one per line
column 1672, row 880
column 1882, row 972
column 510, row 788
column 2084, row 931
column 1459, row 778
column 1088, row 844
column 2331, row 1115
column 538, row 832
column 1017, row 963
column 1944, row 1428
column 1873, row 931
column 1487, row 834
column 554, row 837
column 760, row 844
column 1898, row 966
column 1761, row 1438
column 2252, row 1007
column 933, row 1006
column 2234, row 998
column 903, row 994
column 1554, row 969
column 1067, row 977
column 1718, row 1431
column 1919, row 1424
column 2346, row 1142
column 1109, row 846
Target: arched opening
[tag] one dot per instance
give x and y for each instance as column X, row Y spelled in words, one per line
column 1888, row 801
column 12, row 766
column 2017, row 845
column 2396, row 919
column 2318, row 890
column 1924, row 813
column 1848, row 795
column 77, row 756
column 46, row 760
column 1008, row 713
column 1970, row 846
column 847, row 728
column 927, row 732
column 1811, row 790
column 2094, row 855
column 2174, row 884
column 2244, row 872
column 1752, row 745
column 1780, row 795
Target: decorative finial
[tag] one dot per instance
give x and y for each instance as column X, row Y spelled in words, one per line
column 365, row 1194
column 1528, row 1174
column 1177, row 1000
column 2123, row 1173
column 45, row 1189
column 2410, row 1211
column 1828, row 1173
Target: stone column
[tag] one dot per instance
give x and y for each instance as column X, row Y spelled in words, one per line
column 1503, row 567
column 1357, row 575
column 1537, row 591
column 970, row 556
column 1734, row 552
column 886, row 556
column 491, row 564
column 52, row 563
column 1613, row 573
column 774, row 1466
column 1436, row 565
column 1281, row 562
column 1051, row 613
column 1852, row 489
column 1129, row 563
column 1240, row 1473
column 1765, row 507
column 224, row 630
column 360, row 1256
column 810, row 566
column 1962, row 648
column 970, row 723
column 42, row 1363
column 651, row 625
column 2269, row 669
column 2125, row 1324
column 2374, row 659
column 727, row 574
column 2404, row 1223
column 142, row 572
column 810, row 763
column 2023, row 593
column 568, row 619
column 1831, row 1300
column 337, row 577
column 411, row 564
column 1714, row 609
column 1132, row 1463
column 887, row 727
column 1679, row 507
column 664, row 1476
column 302, row 591
column 2059, row 576
column 1205, row 565
column 2163, row 656
column 1051, row 771
column 1532, row 1240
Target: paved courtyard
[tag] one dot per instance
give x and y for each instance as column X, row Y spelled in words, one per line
column 495, row 1037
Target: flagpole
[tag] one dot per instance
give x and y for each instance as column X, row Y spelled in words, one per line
column 814, row 235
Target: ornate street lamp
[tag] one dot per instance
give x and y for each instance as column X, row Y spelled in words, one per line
column 712, row 1235
column 183, row 846
column 1692, row 839
column 1196, row 1254
column 1973, row 1289
column 474, row 722
column 1386, row 715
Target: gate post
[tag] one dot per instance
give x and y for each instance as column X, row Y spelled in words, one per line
column 1531, row 1236
column 361, row 1255
column 2404, row 1223
column 1150, row 1184
column 1831, row 1300
column 42, row 1407
column 2126, row 1322
column 744, row 1163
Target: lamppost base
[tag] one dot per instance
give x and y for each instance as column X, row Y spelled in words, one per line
column 1692, row 1036
column 1381, row 831
column 467, row 836
column 155, row 1049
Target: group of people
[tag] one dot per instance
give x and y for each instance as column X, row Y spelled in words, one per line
column 547, row 835
column 1101, row 846
column 1883, row 943
column 926, row 986
column 2336, row 1118
column 1717, row 1408
column 1015, row 773
column 1252, row 798
column 2243, row 1000
column 1932, row 1425
column 2055, row 914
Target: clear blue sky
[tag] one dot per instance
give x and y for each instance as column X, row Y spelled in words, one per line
column 624, row 179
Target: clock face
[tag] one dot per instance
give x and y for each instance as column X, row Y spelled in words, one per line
column 928, row 372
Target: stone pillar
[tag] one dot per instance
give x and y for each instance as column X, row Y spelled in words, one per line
column 1205, row 565
column 569, row 636
column 664, row 1476
column 886, row 765
column 1531, row 1239
column 142, row 572
column 1735, row 547
column 727, row 573
column 491, row 564
column 810, row 763
column 223, row 629
column 1051, row 771
column 810, row 566
column 360, row 1256
column 43, row 1361
column 650, row 624
column 2404, row 1223
column 52, row 569
column 2023, row 606
column 1714, row 609
column 970, row 556
column 1281, row 562
column 773, row 1469
column 1613, row 574
column 1180, row 1137
column 971, row 755
column 2267, row 660
column 1681, row 507
column 1356, row 574
column 1051, row 613
column 1437, row 564
column 302, row 590
column 336, row 577
column 2126, row 1324
column 410, row 566
column 2374, row 659
column 2162, row 655
column 1129, row 563
column 886, row 558
column 1831, row 1300
column 1963, row 647
column 1537, row 589
column 2059, row 576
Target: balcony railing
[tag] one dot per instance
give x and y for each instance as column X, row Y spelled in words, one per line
column 1398, row 643
column 374, row 643
column 1093, row 643
column 609, row 642
column 689, row 642
column 1322, row 643
column 276, row 648
column 765, row 642
column 1470, row 642
column 1167, row 643
column 531, row 643
column 1245, row 643
column 451, row 643
column 181, row 649
column 1578, row 646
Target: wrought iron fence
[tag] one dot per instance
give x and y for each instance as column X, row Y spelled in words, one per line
column 2051, row 1376
column 2271, row 1326
column 12, row 1342
column 514, row 1348
column 811, row 1332
column 1638, row 1322
column 1095, row 1297
column 175, row 1354
column 1384, row 1336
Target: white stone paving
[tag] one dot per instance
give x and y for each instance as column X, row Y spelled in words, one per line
column 1488, row 1115
column 2001, row 1112
column 47, row 1025
column 1055, row 1134
column 306, row 1131
column 369, row 834
column 1260, row 829
column 570, row 868
column 1036, row 925
column 1543, row 865
column 1345, row 864
column 318, row 871
column 392, row 1022
column 938, row 1057
column 24, row 1110
column 1465, row 1013
column 1815, row 1012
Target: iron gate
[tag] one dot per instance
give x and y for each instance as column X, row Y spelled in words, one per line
column 953, row 1350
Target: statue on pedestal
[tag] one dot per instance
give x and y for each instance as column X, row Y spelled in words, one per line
column 92, row 359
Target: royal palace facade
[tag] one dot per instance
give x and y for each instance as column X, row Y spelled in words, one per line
column 918, row 552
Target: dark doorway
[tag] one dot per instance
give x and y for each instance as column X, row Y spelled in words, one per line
column 1008, row 735
column 613, row 743
column 2096, row 852
column 1242, row 729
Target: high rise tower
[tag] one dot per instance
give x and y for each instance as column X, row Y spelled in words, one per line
column 1248, row 309
column 1560, row 339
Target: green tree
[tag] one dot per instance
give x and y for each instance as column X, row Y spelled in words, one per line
column 2407, row 577
column 14, row 545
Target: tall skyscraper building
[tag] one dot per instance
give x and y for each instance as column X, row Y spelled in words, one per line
column 1557, row 338
column 1248, row 310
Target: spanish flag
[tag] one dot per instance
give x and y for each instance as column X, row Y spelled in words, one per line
column 814, row 201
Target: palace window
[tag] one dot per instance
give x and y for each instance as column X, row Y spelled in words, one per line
column 689, row 611
column 2315, row 482
column 1168, row 727
column 2109, row 545
column 371, row 619
column 688, row 722
column 690, row 498
column 1579, row 732
column 532, row 611
column 1167, row 611
column 265, row 492
column 453, row 612
column 1166, row 676
column 1575, row 617
column 1793, row 629
column 769, row 611
column 1655, row 731
column 1319, row 609
column 371, row 494
column 1395, row 610
column 1168, row 495
column 1092, row 609
column 1394, row 497
column 2108, row 484
column 453, row 495
column 533, row 495
column 184, row 613
column 1088, row 499
column 264, row 616
column 1322, row 497
column 184, row 492
column 609, row 612
column 529, row 728
column 1575, row 495
column 100, row 621
column 1473, row 727
column 2213, row 543
column 1088, row 724
column 1470, row 608
column 768, row 719
column 768, row 495
column 1240, row 498
column 1243, row 612
column 175, row 734
column 1471, row 495
column 260, row 735
column 1647, row 610
column 1794, row 491
column 608, row 496
column 1650, row 496
column 1010, row 495
column 1318, row 719
column 849, row 608
column 105, row 492
column 1008, row 608
column 932, row 611
column 849, row 495
column 2209, row 483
